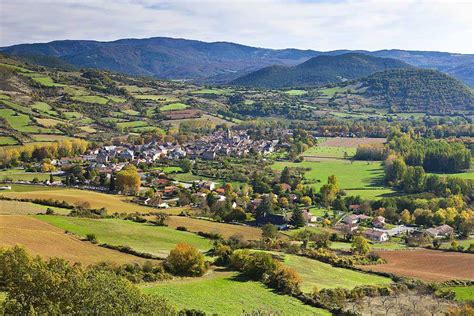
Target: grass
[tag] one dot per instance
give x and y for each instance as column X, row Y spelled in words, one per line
column 322, row 275
column 462, row 293
column 132, row 124
column 295, row 92
column 145, row 129
column 88, row 129
column 44, row 107
column 160, row 98
column 50, row 137
column 174, row 106
column 329, row 92
column 131, row 112
column 384, row 246
column 15, row 68
column 463, row 175
column 47, row 122
column 73, row 115
column 356, row 178
column 112, row 203
column 44, row 80
column 94, row 99
column 136, row 89
column 21, row 175
column 141, row 237
column 117, row 99
column 25, row 208
column 7, row 140
column 213, row 91
column 22, row 122
column 330, row 152
column 224, row 293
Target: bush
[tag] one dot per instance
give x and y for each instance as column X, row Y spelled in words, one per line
column 285, row 280
column 186, row 260
column 182, row 228
column 92, row 238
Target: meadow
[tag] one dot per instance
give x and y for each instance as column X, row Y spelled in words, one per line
column 142, row 237
column 213, row 91
column 463, row 175
column 225, row 293
column 329, row 92
column 21, row 175
column 22, row 122
column 295, row 92
column 462, row 293
column 330, row 152
column 322, row 275
column 132, row 124
column 26, row 208
column 47, row 241
column 356, row 178
column 7, row 140
column 94, row 99
column 173, row 107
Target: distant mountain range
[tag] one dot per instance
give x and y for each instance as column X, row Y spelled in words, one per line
column 218, row 62
column 319, row 70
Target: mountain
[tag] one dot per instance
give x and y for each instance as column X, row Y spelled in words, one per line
column 318, row 70
column 217, row 62
column 464, row 73
column 417, row 90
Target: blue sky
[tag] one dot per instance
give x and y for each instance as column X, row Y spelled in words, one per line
column 442, row 25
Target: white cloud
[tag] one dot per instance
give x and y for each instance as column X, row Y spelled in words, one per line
column 321, row 25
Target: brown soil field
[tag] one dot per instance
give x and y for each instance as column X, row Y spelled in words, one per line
column 428, row 265
column 226, row 230
column 47, row 241
column 351, row 142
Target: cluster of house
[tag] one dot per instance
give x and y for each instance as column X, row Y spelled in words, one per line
column 378, row 233
column 228, row 143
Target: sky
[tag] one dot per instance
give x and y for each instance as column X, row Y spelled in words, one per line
column 441, row 25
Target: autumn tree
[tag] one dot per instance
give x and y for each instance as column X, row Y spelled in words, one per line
column 360, row 246
column 186, row 260
column 128, row 180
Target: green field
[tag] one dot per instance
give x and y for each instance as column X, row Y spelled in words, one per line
column 21, row 175
column 73, row 115
column 174, row 106
column 141, row 237
column 15, row 68
column 385, row 246
column 213, row 91
column 329, row 92
column 25, row 208
column 131, row 112
column 132, row 124
column 227, row 294
column 322, row 275
column 160, row 98
column 29, row 188
column 295, row 92
column 44, row 107
column 463, row 175
column 22, row 122
column 7, row 140
column 463, row 293
column 330, row 152
column 94, row 99
column 117, row 99
column 356, row 178
column 43, row 80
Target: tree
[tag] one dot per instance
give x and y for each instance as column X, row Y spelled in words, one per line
column 306, row 200
column 285, row 176
column 128, row 180
column 405, row 217
column 186, row 165
column 269, row 231
column 360, row 245
column 297, row 218
column 186, row 260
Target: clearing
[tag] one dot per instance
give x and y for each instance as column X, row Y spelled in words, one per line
column 48, row 241
column 428, row 265
column 351, row 141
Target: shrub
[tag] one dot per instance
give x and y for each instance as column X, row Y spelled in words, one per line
column 92, row 238
column 285, row 280
column 182, row 228
column 186, row 260
column 223, row 254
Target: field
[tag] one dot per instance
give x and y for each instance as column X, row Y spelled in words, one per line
column 131, row 112
column 174, row 106
column 295, row 92
column 224, row 293
column 132, row 124
column 50, row 137
column 322, row 275
column 356, row 178
column 385, row 246
column 213, row 91
column 21, row 175
column 226, row 230
column 47, row 122
column 48, row 241
column 350, row 141
column 463, row 175
column 7, row 140
column 141, row 237
column 25, row 208
column 159, row 98
column 329, row 92
column 44, row 80
column 90, row 99
column 463, row 293
column 428, row 265
column 112, row 203
column 21, row 122
column 330, row 152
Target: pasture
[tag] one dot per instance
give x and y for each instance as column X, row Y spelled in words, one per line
column 350, row 141
column 7, row 140
column 22, row 122
column 132, row 124
column 322, row 275
column 93, row 99
column 48, row 241
column 462, row 293
column 48, row 122
column 112, row 203
column 50, row 137
column 142, row 237
column 427, row 265
column 131, row 112
column 295, row 92
column 462, row 175
column 330, row 152
column 356, row 178
column 225, row 293
column 213, row 91
column 226, row 230
column 330, row 92
column 22, row 175
column 43, row 80
column 44, row 107
column 174, row 106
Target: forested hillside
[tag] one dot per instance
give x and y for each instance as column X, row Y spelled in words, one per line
column 318, row 71
column 419, row 90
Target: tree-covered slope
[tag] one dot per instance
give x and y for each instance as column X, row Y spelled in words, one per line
column 318, row 71
column 418, row 90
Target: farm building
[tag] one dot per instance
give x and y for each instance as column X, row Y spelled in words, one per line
column 442, row 231
column 376, row 235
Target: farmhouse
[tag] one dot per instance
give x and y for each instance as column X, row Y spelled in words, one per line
column 376, row 235
column 442, row 231
column 378, row 221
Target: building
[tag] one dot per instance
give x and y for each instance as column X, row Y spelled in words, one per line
column 378, row 221
column 443, row 231
column 351, row 219
column 376, row 235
